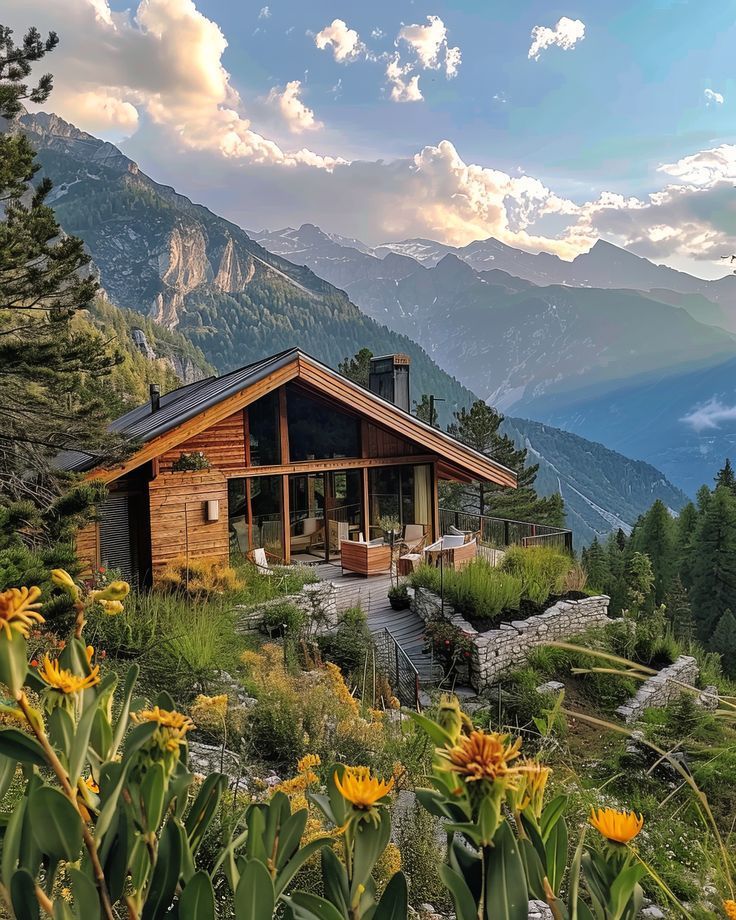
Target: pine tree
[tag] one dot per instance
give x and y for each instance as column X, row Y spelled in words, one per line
column 723, row 641
column 617, row 552
column 726, row 477
column 596, row 565
column 679, row 611
column 654, row 535
column 426, row 411
column 639, row 582
column 714, row 563
column 358, row 367
column 45, row 361
column 478, row 427
column 686, row 529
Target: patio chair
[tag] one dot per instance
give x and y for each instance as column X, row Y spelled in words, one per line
column 372, row 558
column 260, row 561
column 451, row 551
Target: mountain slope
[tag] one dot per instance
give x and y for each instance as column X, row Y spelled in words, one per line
column 187, row 268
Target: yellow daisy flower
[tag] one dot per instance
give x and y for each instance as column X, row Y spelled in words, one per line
column 360, row 788
column 19, row 610
column 64, row 680
column 616, row 826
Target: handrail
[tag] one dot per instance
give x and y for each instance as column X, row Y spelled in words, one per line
column 399, row 653
column 497, row 532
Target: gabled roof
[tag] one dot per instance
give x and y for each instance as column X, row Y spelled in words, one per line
column 214, row 398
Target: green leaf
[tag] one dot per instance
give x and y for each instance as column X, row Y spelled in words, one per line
column 552, row 813
column 506, row 890
column 114, row 856
column 23, row 895
column 255, row 819
column 306, row 906
column 62, row 910
column 7, row 774
column 11, row 841
column 78, row 755
column 55, row 824
column 623, row 889
column 369, row 842
column 21, row 747
column 394, row 903
column 290, row 836
column 335, row 881
column 204, row 809
column 86, row 898
column 13, row 661
column 100, row 739
column 197, row 901
column 534, row 869
column 254, row 896
column 462, row 898
column 61, row 731
column 153, row 789
column 437, row 734
column 137, row 737
column 556, row 847
column 122, row 721
column 165, row 874
column 288, row 872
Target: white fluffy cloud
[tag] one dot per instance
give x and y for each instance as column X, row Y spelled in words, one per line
column 298, row 116
column 426, row 41
column 453, row 59
column 706, row 167
column 404, row 88
column 711, row 97
column 566, row 34
column 429, row 50
column 710, row 415
column 345, row 43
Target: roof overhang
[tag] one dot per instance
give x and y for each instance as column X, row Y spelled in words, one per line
column 457, row 461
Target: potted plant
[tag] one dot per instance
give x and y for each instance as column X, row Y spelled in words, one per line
column 398, row 597
column 389, row 525
column 192, row 462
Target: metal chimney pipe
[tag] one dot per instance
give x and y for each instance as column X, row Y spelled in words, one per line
column 155, row 393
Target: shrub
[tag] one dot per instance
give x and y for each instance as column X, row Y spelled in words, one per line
column 190, row 462
column 450, row 646
column 283, row 618
column 348, row 646
column 542, row 570
column 197, row 577
column 478, row 590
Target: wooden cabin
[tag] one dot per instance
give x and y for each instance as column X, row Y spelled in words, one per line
column 298, row 460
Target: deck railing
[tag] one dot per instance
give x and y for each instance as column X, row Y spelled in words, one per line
column 400, row 671
column 501, row 532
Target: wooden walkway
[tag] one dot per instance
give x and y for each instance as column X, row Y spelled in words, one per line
column 370, row 594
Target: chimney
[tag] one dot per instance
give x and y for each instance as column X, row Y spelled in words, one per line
column 389, row 378
column 155, row 392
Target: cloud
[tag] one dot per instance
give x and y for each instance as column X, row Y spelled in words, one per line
column 453, row 59
column 710, row 415
column 345, row 43
column 402, row 89
column 706, row 167
column 426, row 41
column 264, row 12
column 711, row 96
column 377, row 33
column 164, row 60
column 566, row 34
column 295, row 113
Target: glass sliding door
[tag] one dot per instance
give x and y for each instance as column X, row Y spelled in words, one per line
column 400, row 493
column 254, row 515
column 324, row 509
column 344, row 508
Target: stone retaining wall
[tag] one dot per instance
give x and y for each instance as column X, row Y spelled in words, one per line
column 318, row 602
column 661, row 689
column 500, row 650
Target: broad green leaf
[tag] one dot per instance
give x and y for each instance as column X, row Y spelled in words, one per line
column 7, row 774
column 462, row 898
column 11, row 841
column 394, row 901
column 254, row 896
column 114, row 856
column 197, row 900
column 165, row 874
column 13, row 661
column 86, row 898
column 335, row 881
column 21, row 747
column 61, row 731
column 306, row 906
column 256, row 822
column 122, row 721
column 55, row 824
column 62, row 910
column 288, row 872
column 78, row 755
column 370, row 841
column 552, row 813
column 506, row 890
column 23, row 895
column 533, row 867
column 100, row 738
column 153, row 788
column 556, row 847
column 290, row 835
column 437, row 734
column 204, row 809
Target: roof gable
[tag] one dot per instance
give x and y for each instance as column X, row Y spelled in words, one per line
column 193, row 408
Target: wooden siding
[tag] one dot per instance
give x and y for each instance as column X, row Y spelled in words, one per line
column 382, row 443
column 88, row 547
column 179, row 527
column 223, row 444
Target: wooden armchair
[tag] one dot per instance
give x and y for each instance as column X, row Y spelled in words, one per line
column 451, row 551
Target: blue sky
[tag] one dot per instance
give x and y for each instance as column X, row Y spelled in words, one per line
column 241, row 108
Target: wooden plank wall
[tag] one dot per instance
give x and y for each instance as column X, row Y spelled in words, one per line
column 381, row 443
column 88, row 547
column 178, row 518
column 223, row 444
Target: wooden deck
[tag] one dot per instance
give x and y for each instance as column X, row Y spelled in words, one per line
column 370, row 594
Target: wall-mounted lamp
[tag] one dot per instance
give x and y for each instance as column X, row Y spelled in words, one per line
column 212, row 510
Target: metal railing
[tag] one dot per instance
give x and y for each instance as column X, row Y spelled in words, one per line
column 501, row 532
column 399, row 669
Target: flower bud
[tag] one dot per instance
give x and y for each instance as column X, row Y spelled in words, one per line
column 62, row 579
column 115, row 591
column 112, row 608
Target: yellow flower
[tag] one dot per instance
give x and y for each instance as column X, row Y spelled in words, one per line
column 91, row 784
column 617, row 826
column 360, row 788
column 730, row 908
column 64, row 680
column 112, row 608
column 210, row 711
column 115, row 591
column 62, row 579
column 485, row 756
column 174, row 725
column 307, row 762
column 535, row 782
column 19, row 610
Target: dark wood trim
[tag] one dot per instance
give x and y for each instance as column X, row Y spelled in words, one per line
column 366, row 504
column 435, row 504
column 286, row 518
column 246, row 434
column 329, row 466
column 283, row 427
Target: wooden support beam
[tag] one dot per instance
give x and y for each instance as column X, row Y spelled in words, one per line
column 283, row 427
column 286, row 518
column 326, row 466
column 366, row 504
column 435, row 505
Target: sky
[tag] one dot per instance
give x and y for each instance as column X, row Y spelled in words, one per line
column 546, row 125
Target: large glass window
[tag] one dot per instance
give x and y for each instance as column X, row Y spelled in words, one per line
column 254, row 513
column 325, row 509
column 401, row 493
column 263, row 427
column 318, row 431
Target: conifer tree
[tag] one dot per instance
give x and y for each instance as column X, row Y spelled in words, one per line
column 45, row 362
column 679, row 611
column 723, row 641
column 714, row 563
column 595, row 564
column 639, row 582
column 616, row 550
column 685, row 531
column 726, row 477
column 425, row 411
column 478, row 427
column 358, row 367
column 655, row 535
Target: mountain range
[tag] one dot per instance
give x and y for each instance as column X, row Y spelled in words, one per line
column 188, row 270
column 646, row 372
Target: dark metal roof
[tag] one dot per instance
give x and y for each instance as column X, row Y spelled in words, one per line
column 141, row 424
